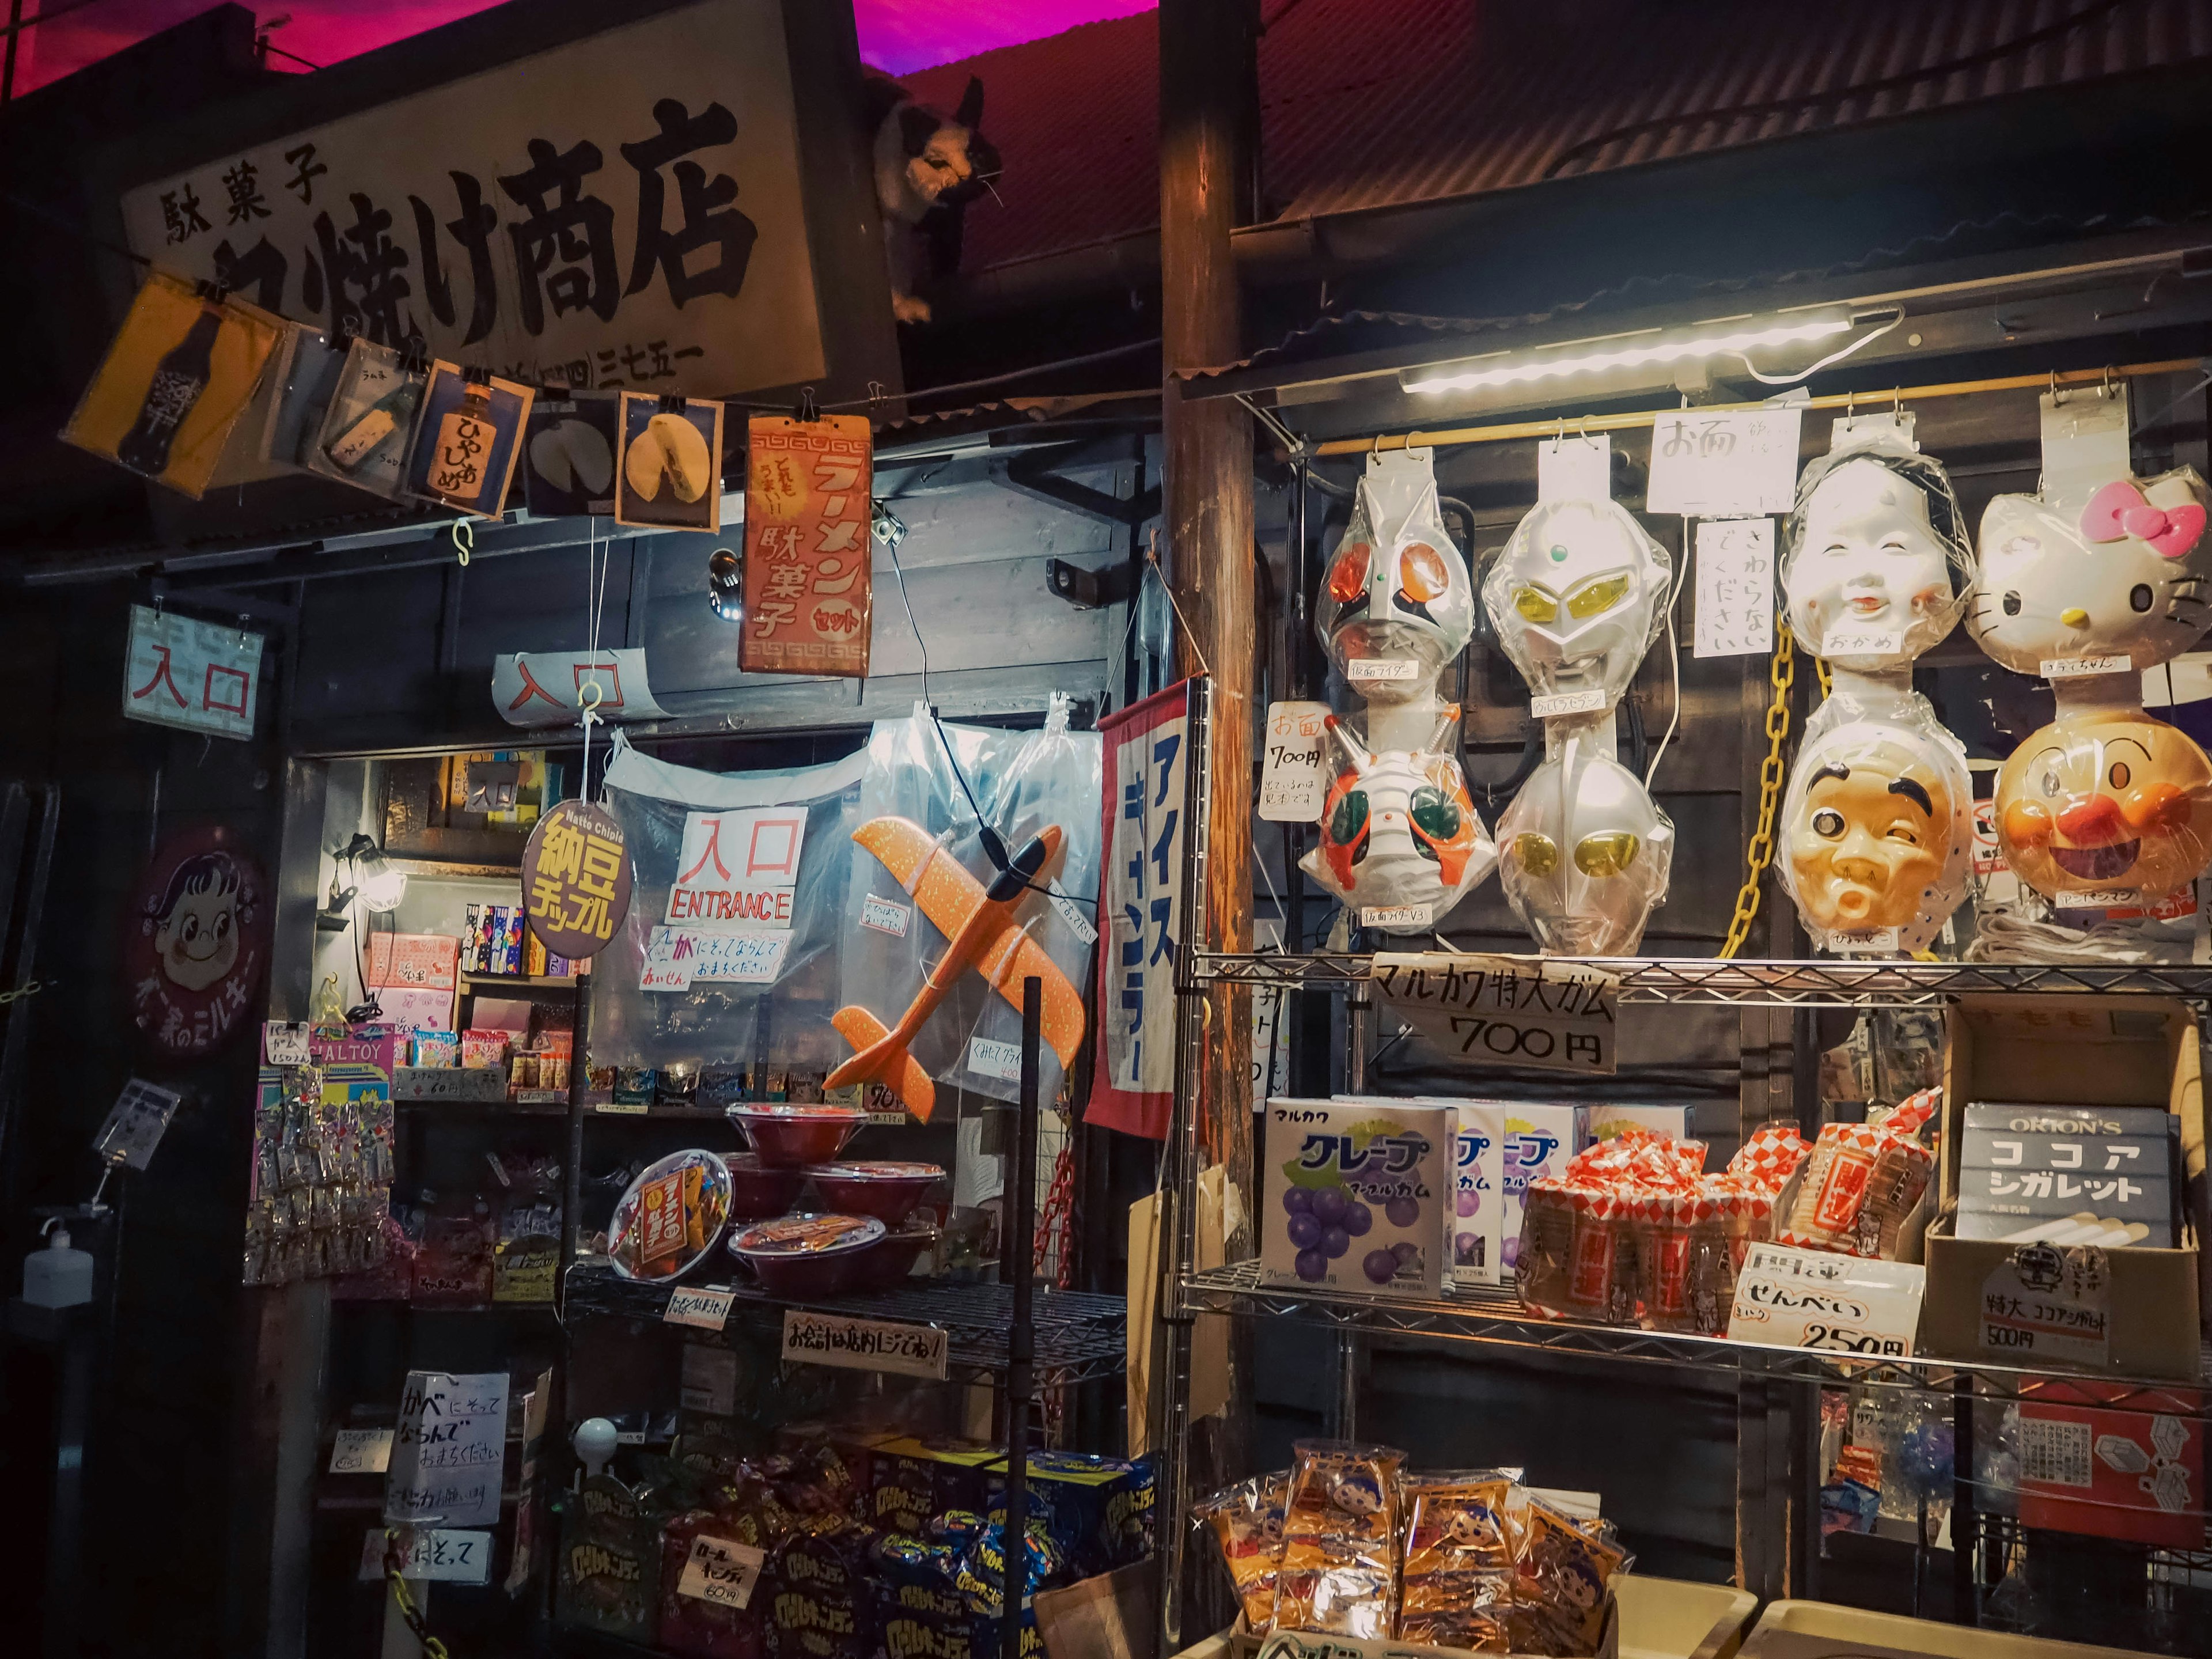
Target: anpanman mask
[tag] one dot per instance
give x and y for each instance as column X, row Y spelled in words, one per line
column 2105, row 804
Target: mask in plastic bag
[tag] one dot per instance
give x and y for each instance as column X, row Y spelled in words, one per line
column 1583, row 851
column 1576, row 597
column 1398, row 830
column 2106, row 805
column 1398, row 591
column 1878, row 566
column 1877, row 827
column 2125, row 575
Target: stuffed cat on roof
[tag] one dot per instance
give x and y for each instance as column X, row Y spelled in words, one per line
column 929, row 166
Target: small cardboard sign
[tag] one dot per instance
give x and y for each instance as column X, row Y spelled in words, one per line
column 1294, row 770
column 706, row 1308
column 989, row 1058
column 1794, row 1298
column 864, row 1345
column 2049, row 1302
column 1556, row 704
column 1735, row 588
column 284, row 1043
column 720, row 1571
column 437, row 1555
column 1501, row 1010
column 361, row 1451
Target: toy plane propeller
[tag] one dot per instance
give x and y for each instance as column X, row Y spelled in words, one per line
column 978, row 925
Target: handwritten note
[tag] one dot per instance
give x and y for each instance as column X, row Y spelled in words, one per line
column 1735, row 587
column 705, row 954
column 708, row 1308
column 285, row 1042
column 361, row 1451
column 1517, row 1011
column 988, row 1058
column 451, row 1449
column 864, row 1345
column 1293, row 765
column 720, row 1571
column 436, row 1556
column 1724, row 464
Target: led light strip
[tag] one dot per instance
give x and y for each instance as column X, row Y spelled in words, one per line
column 1659, row 351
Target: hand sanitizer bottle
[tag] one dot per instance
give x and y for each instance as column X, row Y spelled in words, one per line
column 58, row 1276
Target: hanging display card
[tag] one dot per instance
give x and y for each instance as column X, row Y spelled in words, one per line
column 1577, row 469
column 569, row 457
column 450, row 1453
column 672, row 463
column 366, row 430
column 466, row 441
column 1293, row 771
column 808, row 605
column 196, row 676
column 1498, row 1010
column 575, row 879
column 551, row 688
column 1735, row 587
column 135, row 1124
column 1724, row 464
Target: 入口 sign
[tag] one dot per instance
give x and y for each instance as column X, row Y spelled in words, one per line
column 1515, row 1011
column 196, row 676
column 739, row 865
column 552, row 688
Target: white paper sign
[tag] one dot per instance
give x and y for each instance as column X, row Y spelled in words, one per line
column 1723, row 464
column 986, row 1058
column 135, row 1123
column 450, row 1452
column 706, row 955
column 1271, row 1047
column 550, row 687
column 666, row 972
column 2082, row 668
column 285, row 1043
column 739, row 865
column 435, row 1556
column 1069, row 911
column 706, row 1308
column 1293, row 762
column 1792, row 1298
column 1735, row 587
column 1363, row 671
column 1398, row 917
column 1501, row 1010
column 1844, row 640
column 720, row 1571
column 195, row 676
column 864, row 1345
column 1553, row 704
column 1577, row 469
column 361, row 1451
column 2049, row 1302
column 886, row 915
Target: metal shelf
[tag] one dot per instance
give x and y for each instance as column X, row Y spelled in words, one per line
column 1495, row 1318
column 1080, row 1338
column 1708, row 980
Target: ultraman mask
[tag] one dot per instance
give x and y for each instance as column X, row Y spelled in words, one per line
column 2131, row 573
column 1398, row 828
column 1876, row 833
column 1397, row 592
column 1577, row 596
column 1873, row 578
column 2106, row 804
column 1584, row 854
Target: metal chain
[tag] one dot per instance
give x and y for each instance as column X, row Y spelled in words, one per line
column 21, row 992
column 395, row 1558
column 1781, row 672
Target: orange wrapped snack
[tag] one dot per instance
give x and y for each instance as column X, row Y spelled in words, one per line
column 1861, row 1183
column 1458, row 1577
column 1340, row 1534
column 1247, row 1521
column 1562, row 1569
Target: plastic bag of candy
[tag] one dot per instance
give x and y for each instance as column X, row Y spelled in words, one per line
column 1457, row 1580
column 1340, row 1529
column 1247, row 1520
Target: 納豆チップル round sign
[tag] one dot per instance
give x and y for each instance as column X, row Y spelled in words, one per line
column 575, row 879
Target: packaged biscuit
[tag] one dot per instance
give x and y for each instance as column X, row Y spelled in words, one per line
column 1248, row 1520
column 1340, row 1537
column 1562, row 1568
column 1458, row 1579
column 1860, row 1183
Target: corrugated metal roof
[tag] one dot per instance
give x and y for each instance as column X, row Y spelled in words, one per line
column 1366, row 103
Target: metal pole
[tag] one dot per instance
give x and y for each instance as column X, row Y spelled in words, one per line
column 572, row 1194
column 1018, row 1259
column 1350, row 1355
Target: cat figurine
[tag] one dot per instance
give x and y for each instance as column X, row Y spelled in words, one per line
column 927, row 167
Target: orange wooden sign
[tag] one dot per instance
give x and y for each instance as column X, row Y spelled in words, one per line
column 808, row 601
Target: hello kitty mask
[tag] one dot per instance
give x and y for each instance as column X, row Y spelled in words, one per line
column 1576, row 597
column 1583, row 851
column 1878, row 566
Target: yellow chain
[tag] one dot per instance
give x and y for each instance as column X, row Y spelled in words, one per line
column 30, row 990
column 395, row 1558
column 1781, row 671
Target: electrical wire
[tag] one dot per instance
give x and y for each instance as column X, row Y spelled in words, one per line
column 1674, row 662
column 1830, row 360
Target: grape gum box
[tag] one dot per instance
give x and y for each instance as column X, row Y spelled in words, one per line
column 1477, row 1228
column 1353, row 1195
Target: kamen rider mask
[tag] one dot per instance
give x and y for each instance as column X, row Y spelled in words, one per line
column 2107, row 806
column 1576, row 597
column 1398, row 592
column 1583, row 852
column 1398, row 830
column 1876, row 829
column 1878, row 567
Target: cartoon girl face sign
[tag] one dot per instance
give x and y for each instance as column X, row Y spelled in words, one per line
column 196, row 941
column 195, row 931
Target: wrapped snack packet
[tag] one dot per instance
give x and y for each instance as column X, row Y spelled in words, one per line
column 1563, row 1567
column 1767, row 1161
column 1340, row 1537
column 1541, row 1269
column 1860, row 1183
column 1248, row 1520
column 1458, row 1576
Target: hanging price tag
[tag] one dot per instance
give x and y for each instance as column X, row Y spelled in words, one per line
column 285, row 1043
column 1293, row 768
column 1575, row 469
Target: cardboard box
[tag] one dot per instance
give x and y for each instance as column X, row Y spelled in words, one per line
column 1354, row 1195
column 1476, row 1224
column 2132, row 1311
column 2135, row 1474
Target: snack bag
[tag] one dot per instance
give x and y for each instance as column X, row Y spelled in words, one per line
column 1547, row 1240
column 1340, row 1537
column 662, row 1231
column 1563, row 1568
column 1861, row 1183
column 1458, row 1576
column 1248, row 1520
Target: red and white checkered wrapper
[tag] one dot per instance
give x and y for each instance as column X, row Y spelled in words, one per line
column 1770, row 1158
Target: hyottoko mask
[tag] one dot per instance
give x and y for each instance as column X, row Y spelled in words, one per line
column 1398, row 830
column 1877, row 567
column 2106, row 804
column 1876, row 831
column 1584, row 852
column 1577, row 596
column 1397, row 605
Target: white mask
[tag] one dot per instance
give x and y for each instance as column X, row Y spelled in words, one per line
column 1873, row 579
column 1576, row 597
column 1584, row 852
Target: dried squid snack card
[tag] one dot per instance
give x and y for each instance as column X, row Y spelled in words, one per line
column 1340, row 1537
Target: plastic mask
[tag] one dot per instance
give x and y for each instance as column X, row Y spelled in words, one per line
column 1399, row 828
column 1869, row 578
column 1397, row 590
column 1575, row 596
column 1583, row 854
column 2106, row 803
column 1871, row 830
column 2128, row 575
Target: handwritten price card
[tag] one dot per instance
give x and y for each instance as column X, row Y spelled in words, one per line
column 1735, row 587
column 1724, row 464
column 1294, row 769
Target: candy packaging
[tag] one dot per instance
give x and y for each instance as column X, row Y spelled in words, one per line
column 1247, row 1522
column 1340, row 1528
column 1458, row 1577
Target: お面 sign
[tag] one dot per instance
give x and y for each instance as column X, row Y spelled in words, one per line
column 196, row 676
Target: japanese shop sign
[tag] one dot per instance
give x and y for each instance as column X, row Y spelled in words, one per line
column 741, row 865
column 196, row 676
column 575, row 879
column 1735, row 587
column 807, row 546
column 1294, row 768
column 1724, row 464
column 625, row 210
column 864, row 1345
column 1505, row 1010
column 550, row 688
column 197, row 939
column 720, row 1571
column 1140, row 912
column 451, row 1450
column 1794, row 1298
column 2045, row 1302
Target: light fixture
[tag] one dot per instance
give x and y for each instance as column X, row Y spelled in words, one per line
column 725, row 585
column 373, row 881
column 1618, row 351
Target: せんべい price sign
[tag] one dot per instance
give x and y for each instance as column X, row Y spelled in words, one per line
column 807, row 546
column 575, row 879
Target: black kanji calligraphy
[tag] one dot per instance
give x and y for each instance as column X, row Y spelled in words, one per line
column 362, row 270
column 709, row 221
column 572, row 227
column 473, row 231
column 180, row 213
column 261, row 269
column 306, row 170
column 246, row 202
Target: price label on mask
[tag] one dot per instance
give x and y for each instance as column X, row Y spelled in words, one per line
column 2082, row 668
column 1293, row 765
column 1363, row 671
column 1589, row 701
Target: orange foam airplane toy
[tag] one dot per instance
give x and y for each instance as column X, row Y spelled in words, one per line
column 978, row 924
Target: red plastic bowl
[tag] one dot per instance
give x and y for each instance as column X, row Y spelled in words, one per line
column 888, row 1192
column 806, row 1254
column 890, row 1261
column 791, row 1137
column 757, row 1189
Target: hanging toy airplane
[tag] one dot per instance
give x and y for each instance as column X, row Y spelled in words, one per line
column 978, row 924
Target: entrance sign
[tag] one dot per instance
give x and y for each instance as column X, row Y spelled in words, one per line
column 550, row 688
column 195, row 676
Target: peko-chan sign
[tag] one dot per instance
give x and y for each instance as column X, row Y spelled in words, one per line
column 628, row 208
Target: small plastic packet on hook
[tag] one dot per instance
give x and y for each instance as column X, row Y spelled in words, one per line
column 365, row 431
